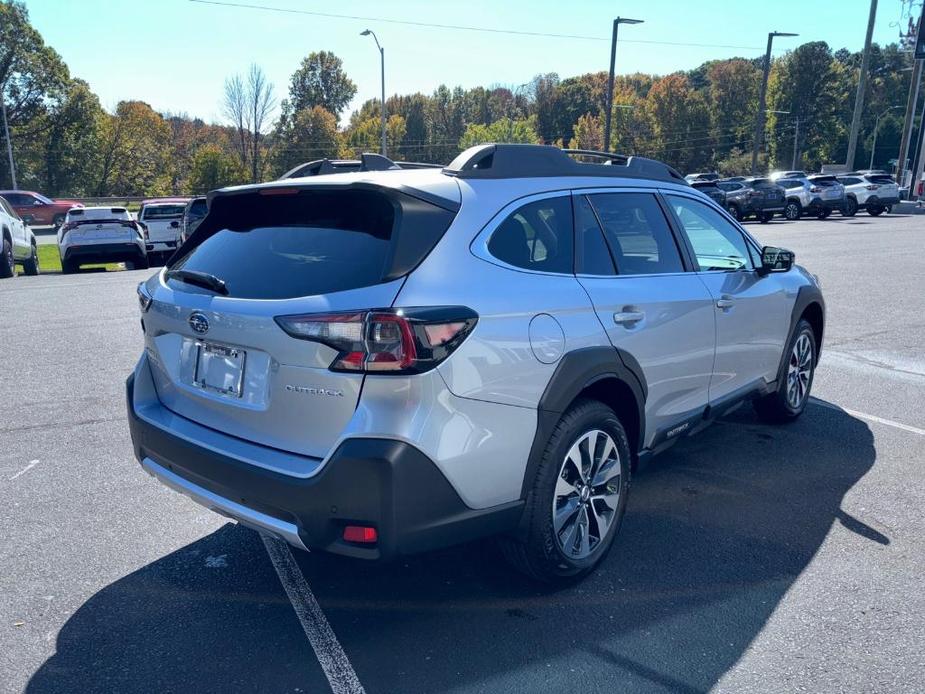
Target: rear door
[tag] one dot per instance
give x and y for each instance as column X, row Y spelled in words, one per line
column 649, row 301
column 752, row 313
column 223, row 361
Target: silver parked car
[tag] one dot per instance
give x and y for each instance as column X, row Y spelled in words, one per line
column 381, row 363
column 874, row 192
column 815, row 196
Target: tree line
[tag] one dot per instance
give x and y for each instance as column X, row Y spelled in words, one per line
column 66, row 143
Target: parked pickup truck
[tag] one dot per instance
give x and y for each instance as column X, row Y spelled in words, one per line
column 161, row 220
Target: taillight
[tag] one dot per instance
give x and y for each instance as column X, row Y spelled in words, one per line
column 68, row 227
column 390, row 341
column 814, row 189
column 139, row 229
column 872, row 187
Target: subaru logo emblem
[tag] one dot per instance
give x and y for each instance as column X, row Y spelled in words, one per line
column 198, row 322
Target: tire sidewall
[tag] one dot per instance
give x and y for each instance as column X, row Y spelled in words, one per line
column 592, row 416
column 8, row 267
column 803, row 328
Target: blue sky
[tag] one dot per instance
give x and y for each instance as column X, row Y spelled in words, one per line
column 176, row 54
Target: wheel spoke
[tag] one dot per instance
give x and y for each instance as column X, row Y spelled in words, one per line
column 569, row 533
column 584, row 547
column 609, row 470
column 574, row 459
column 565, row 513
column 564, row 488
column 602, row 516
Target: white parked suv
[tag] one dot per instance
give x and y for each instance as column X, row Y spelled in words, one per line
column 161, row 218
column 876, row 193
column 100, row 235
column 384, row 362
column 17, row 243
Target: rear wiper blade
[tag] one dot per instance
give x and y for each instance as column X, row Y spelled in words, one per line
column 200, row 279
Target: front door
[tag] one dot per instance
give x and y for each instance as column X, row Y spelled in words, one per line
column 650, row 304
column 752, row 312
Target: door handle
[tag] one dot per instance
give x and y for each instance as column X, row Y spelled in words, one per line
column 725, row 302
column 628, row 318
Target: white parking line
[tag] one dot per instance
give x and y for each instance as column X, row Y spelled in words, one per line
column 331, row 656
column 870, row 417
column 32, row 464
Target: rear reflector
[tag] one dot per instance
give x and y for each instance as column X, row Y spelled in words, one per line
column 361, row 533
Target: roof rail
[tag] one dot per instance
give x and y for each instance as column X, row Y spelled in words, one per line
column 534, row 161
column 368, row 161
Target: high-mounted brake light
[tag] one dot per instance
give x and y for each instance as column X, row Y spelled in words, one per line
column 278, row 191
column 386, row 341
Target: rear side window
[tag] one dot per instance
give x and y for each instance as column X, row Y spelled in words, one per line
column 880, row 179
column 537, row 236
column 637, row 233
column 266, row 246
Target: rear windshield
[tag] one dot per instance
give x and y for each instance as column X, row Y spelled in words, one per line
column 703, row 185
column 97, row 213
column 314, row 242
column 761, row 183
column 163, row 211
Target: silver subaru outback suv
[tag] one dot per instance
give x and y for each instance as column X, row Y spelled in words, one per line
column 382, row 363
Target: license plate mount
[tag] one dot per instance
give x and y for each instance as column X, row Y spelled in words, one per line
column 220, row 369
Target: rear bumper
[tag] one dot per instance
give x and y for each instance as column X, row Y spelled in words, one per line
column 104, row 252
column 382, row 483
column 161, row 246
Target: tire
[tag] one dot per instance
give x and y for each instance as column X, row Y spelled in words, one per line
column 850, row 209
column 736, row 214
column 68, row 267
column 875, row 211
column 57, row 220
column 30, row 266
column 889, row 209
column 765, row 217
column 7, row 262
column 823, row 214
column 793, row 211
column 559, row 484
column 142, row 264
column 789, row 400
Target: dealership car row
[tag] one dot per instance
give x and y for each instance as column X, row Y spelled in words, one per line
column 113, row 234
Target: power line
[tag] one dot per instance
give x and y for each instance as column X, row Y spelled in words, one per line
column 461, row 27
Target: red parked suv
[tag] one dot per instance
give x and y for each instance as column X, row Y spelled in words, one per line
column 44, row 211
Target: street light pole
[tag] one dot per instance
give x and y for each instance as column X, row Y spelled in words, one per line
column 862, row 87
column 873, row 147
column 9, row 142
column 613, row 55
column 762, row 93
column 370, row 32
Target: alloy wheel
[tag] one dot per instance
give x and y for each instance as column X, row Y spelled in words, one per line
column 792, row 211
column 799, row 371
column 587, row 494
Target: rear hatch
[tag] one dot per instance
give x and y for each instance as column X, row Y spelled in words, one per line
column 827, row 187
column 219, row 353
column 163, row 221
column 765, row 193
column 886, row 186
column 98, row 227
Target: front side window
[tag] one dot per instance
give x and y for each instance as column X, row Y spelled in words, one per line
column 717, row 244
column 637, row 233
column 537, row 236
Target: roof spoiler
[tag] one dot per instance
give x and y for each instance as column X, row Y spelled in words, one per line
column 368, row 161
column 534, row 161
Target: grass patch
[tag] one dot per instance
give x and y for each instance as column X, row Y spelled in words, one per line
column 50, row 260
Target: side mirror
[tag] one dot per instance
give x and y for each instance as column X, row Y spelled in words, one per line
column 175, row 225
column 775, row 259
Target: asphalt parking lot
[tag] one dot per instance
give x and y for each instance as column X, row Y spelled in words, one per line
column 753, row 558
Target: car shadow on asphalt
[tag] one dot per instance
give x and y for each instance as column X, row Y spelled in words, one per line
column 717, row 530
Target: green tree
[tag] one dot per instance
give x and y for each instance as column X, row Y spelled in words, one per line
column 504, row 130
column 366, row 136
column 679, row 121
column 321, row 81
column 732, row 99
column 307, row 135
column 134, row 153
column 213, row 167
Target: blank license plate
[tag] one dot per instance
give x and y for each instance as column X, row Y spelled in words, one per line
column 219, row 369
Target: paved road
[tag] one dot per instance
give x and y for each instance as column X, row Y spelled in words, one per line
column 753, row 558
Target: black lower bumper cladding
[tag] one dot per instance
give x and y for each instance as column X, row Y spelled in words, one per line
column 382, row 483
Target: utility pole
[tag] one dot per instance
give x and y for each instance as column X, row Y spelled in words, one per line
column 370, row 32
column 613, row 56
column 862, row 88
column 911, row 103
column 762, row 93
column 9, row 142
column 796, row 145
